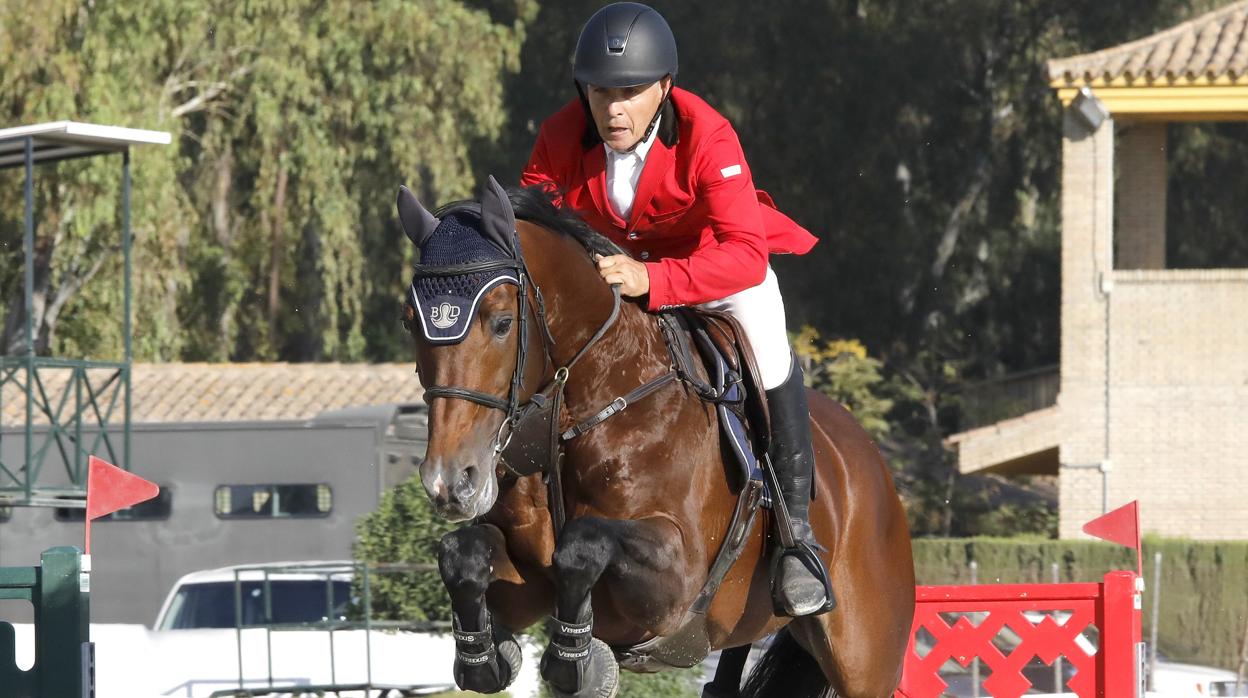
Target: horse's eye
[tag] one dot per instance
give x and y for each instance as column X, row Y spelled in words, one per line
column 502, row 326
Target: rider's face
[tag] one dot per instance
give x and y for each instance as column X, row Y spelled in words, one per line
column 623, row 113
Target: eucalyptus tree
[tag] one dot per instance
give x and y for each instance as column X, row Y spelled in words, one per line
column 266, row 231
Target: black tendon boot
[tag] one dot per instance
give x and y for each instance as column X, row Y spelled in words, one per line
column 800, row 585
column 486, row 660
column 576, row 664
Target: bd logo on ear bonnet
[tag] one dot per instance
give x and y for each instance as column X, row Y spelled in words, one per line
column 445, row 315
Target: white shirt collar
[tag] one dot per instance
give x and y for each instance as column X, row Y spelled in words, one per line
column 642, row 149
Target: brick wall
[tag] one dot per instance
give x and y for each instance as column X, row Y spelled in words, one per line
column 1087, row 224
column 1140, row 241
column 1162, row 353
column 1178, row 399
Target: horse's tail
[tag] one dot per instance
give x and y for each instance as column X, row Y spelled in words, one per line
column 786, row 670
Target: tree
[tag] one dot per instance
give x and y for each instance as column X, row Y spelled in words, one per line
column 267, row 231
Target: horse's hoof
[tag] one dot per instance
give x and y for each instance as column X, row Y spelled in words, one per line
column 601, row 678
column 496, row 674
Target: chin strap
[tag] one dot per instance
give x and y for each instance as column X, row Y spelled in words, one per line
column 589, row 118
column 654, row 120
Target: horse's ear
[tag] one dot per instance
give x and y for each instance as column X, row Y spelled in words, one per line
column 418, row 223
column 497, row 217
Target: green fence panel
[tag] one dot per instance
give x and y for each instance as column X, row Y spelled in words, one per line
column 59, row 591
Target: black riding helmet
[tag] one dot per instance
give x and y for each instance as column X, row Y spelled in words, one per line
column 624, row 44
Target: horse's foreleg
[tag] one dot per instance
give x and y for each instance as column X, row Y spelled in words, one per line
column 636, row 555
column 487, row 657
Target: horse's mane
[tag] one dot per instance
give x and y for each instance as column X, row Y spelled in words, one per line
column 534, row 204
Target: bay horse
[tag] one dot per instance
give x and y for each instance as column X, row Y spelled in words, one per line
column 647, row 494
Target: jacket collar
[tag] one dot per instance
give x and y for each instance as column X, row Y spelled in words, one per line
column 658, row 162
column 594, row 169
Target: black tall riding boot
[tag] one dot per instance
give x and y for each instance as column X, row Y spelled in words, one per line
column 800, row 586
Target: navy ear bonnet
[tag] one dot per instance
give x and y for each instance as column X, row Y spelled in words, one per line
column 447, row 304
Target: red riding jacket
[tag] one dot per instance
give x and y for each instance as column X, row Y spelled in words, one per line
column 697, row 222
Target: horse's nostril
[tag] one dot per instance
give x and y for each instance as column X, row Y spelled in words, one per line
column 464, row 487
column 437, row 489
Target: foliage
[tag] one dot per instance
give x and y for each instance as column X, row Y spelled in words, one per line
column 1198, row 209
column 842, row 370
column 684, row 683
column 678, row 683
column 266, row 231
column 1031, row 518
column 404, row 528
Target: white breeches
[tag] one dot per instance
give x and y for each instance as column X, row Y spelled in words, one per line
column 760, row 310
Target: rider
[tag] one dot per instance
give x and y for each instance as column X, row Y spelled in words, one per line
column 661, row 173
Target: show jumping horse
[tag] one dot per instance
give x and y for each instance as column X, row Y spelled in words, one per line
column 647, row 495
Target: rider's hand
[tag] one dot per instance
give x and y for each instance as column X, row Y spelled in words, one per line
column 630, row 274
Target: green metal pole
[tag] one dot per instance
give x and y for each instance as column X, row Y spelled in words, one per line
column 125, row 247
column 28, row 243
column 79, row 375
column 62, row 622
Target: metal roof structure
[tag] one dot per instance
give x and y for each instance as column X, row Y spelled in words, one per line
column 95, row 391
column 62, row 140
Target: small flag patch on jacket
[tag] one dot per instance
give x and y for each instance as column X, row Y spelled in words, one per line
column 732, row 171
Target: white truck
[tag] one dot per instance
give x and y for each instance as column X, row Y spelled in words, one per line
column 294, row 630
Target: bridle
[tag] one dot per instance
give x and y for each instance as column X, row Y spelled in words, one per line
column 543, row 404
column 538, row 447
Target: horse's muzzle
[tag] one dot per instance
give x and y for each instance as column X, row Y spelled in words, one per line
column 457, row 493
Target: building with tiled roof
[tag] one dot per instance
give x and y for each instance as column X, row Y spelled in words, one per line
column 1153, row 379
column 1198, row 69
column 243, row 392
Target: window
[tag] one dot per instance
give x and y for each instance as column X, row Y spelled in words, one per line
column 157, row 508
column 273, row 501
column 211, row 604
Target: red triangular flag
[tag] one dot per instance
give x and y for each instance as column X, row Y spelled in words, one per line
column 110, row 488
column 1121, row 526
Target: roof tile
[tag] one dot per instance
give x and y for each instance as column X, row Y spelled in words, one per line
column 1212, row 46
column 199, row 392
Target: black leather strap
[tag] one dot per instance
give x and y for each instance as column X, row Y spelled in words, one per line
column 617, row 405
column 435, row 391
column 439, row 270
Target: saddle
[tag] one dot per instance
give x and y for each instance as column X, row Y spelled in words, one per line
column 725, row 373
